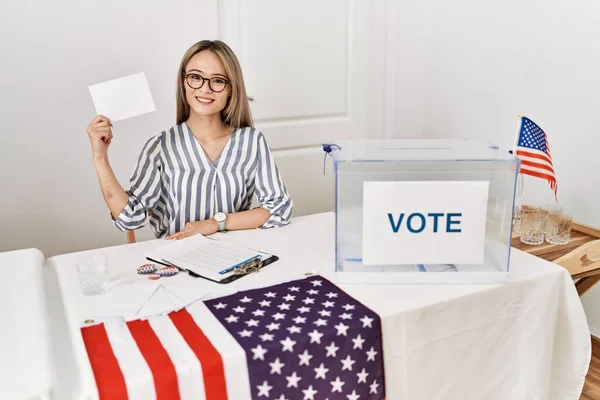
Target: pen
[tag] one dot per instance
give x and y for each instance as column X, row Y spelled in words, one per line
column 195, row 275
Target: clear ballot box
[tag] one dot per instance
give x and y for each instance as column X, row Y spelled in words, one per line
column 425, row 210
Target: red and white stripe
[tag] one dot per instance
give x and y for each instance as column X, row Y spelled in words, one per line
column 187, row 354
column 538, row 164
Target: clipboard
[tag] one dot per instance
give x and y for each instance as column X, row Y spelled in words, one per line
column 250, row 267
column 215, row 260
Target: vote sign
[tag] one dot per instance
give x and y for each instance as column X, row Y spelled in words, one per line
column 436, row 222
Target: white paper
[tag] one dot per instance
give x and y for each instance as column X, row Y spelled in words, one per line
column 160, row 303
column 123, row 300
column 184, row 294
column 123, row 98
column 409, row 240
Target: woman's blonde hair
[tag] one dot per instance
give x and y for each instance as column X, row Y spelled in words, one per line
column 237, row 110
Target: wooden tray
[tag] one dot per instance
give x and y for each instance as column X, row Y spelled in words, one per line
column 581, row 256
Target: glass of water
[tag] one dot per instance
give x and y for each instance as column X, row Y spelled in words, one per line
column 532, row 226
column 93, row 274
column 558, row 228
column 518, row 213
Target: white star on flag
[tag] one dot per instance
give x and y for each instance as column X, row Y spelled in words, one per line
column 337, row 385
column 264, row 389
column 347, row 363
column 321, row 372
column 276, row 366
column 358, row 342
column 278, row 316
column 373, row 387
column 315, row 336
column 293, row 380
column 341, row 329
column 266, row 337
column 273, row 326
column 309, row 394
column 299, row 320
column 362, row 376
column 305, row 358
column 231, row 319
column 294, row 329
column 332, row 350
column 288, row 344
column 371, row 354
column 366, row 321
column 259, row 352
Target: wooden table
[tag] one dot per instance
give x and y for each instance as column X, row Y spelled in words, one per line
column 581, row 256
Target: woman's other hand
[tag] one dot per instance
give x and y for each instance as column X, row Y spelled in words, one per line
column 205, row 228
column 100, row 133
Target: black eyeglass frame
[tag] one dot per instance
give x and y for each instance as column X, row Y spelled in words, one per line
column 203, row 79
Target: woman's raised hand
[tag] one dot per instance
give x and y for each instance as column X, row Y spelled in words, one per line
column 100, row 133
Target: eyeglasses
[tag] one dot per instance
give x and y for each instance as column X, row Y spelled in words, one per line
column 216, row 84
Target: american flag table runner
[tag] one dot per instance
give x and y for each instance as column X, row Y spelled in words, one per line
column 305, row 339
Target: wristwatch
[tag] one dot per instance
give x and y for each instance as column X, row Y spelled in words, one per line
column 220, row 218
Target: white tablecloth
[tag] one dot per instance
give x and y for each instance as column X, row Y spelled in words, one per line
column 25, row 353
column 527, row 339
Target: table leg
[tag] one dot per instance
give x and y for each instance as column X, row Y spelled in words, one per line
column 585, row 284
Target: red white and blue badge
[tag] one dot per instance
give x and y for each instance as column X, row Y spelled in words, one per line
column 168, row 271
column 146, row 269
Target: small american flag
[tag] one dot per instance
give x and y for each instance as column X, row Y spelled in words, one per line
column 534, row 151
column 301, row 340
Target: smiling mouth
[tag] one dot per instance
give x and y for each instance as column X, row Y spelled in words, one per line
column 204, row 100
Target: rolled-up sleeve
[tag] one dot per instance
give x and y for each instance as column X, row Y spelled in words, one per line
column 270, row 189
column 145, row 188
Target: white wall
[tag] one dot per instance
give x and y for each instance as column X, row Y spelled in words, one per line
column 51, row 53
column 485, row 63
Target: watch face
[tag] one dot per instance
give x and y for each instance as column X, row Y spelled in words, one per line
column 220, row 217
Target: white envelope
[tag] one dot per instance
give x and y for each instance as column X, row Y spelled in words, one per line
column 123, row 98
column 123, row 300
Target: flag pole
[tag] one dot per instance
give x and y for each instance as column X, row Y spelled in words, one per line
column 518, row 133
column 520, row 177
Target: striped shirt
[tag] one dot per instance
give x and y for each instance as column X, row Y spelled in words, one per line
column 176, row 180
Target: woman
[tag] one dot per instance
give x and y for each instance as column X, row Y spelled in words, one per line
column 200, row 175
